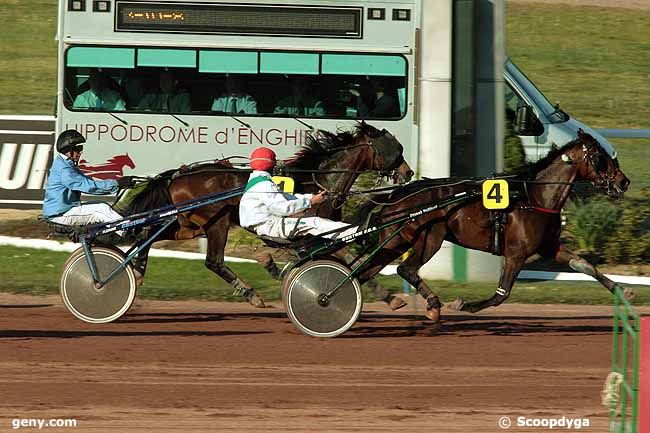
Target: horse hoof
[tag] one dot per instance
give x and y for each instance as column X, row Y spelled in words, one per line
column 139, row 278
column 256, row 301
column 457, row 305
column 395, row 303
column 433, row 314
column 629, row 294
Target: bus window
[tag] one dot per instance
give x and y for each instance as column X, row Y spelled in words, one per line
column 236, row 82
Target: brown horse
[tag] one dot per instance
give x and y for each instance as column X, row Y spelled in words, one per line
column 331, row 161
column 530, row 226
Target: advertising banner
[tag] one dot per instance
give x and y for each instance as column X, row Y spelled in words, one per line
column 25, row 156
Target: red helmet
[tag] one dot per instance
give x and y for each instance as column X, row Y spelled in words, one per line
column 262, row 159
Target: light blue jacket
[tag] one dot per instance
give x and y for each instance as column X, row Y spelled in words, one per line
column 65, row 183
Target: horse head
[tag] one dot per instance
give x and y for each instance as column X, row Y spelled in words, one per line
column 387, row 153
column 123, row 160
column 598, row 165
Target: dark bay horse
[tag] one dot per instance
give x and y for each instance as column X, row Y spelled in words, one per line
column 331, row 161
column 531, row 225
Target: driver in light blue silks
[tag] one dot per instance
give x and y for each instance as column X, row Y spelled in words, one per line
column 65, row 183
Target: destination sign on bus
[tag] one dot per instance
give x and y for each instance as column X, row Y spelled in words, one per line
column 200, row 18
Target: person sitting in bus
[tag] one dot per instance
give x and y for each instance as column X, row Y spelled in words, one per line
column 301, row 102
column 99, row 96
column 170, row 99
column 267, row 211
column 383, row 105
column 65, row 183
column 235, row 100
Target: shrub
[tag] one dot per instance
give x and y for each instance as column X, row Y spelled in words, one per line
column 592, row 223
column 629, row 240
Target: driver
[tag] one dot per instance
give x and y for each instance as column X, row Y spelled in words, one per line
column 65, row 183
column 267, row 211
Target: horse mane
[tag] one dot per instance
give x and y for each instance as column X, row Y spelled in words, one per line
column 322, row 144
column 153, row 196
column 156, row 194
column 529, row 170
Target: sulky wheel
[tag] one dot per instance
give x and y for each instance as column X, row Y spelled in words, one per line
column 310, row 310
column 83, row 299
column 285, row 285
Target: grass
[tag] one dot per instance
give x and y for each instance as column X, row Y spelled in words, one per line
column 593, row 61
column 189, row 279
column 28, row 56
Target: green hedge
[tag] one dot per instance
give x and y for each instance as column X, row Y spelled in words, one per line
column 616, row 231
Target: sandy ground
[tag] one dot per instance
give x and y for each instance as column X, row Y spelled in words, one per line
column 628, row 4
column 197, row 366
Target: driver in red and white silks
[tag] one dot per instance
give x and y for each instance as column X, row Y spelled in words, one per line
column 268, row 211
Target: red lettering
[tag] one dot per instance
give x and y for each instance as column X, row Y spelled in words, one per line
column 186, row 138
column 276, row 138
column 203, row 135
column 151, row 130
column 171, row 138
column 103, row 129
column 256, row 137
column 116, row 137
column 242, row 135
column 221, row 137
column 293, row 137
column 90, row 129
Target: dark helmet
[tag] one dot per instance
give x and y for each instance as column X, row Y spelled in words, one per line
column 68, row 140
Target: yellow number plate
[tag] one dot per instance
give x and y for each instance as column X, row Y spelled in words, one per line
column 286, row 184
column 495, row 194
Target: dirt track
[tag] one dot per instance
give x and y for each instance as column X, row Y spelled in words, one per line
column 193, row 366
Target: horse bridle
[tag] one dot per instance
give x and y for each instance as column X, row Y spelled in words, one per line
column 375, row 154
column 387, row 172
column 604, row 181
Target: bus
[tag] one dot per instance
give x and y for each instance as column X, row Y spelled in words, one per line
column 156, row 84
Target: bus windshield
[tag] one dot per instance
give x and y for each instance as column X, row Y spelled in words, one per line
column 529, row 88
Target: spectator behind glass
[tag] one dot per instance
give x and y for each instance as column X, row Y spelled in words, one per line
column 383, row 103
column 99, row 96
column 235, row 100
column 301, row 102
column 169, row 99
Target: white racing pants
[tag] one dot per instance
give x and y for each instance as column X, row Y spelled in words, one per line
column 91, row 213
column 289, row 227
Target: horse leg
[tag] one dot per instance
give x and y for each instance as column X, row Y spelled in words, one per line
column 427, row 244
column 263, row 257
column 578, row 264
column 217, row 235
column 511, row 268
column 140, row 265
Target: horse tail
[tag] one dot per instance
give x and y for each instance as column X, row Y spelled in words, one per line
column 154, row 195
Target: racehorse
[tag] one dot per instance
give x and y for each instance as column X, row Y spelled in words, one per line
column 331, row 161
column 529, row 226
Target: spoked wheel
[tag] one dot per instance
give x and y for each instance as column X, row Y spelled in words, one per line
column 308, row 306
column 83, row 299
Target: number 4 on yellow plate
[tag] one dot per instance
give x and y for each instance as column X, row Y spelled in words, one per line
column 495, row 194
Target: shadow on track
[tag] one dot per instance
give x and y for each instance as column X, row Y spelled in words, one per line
column 34, row 333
